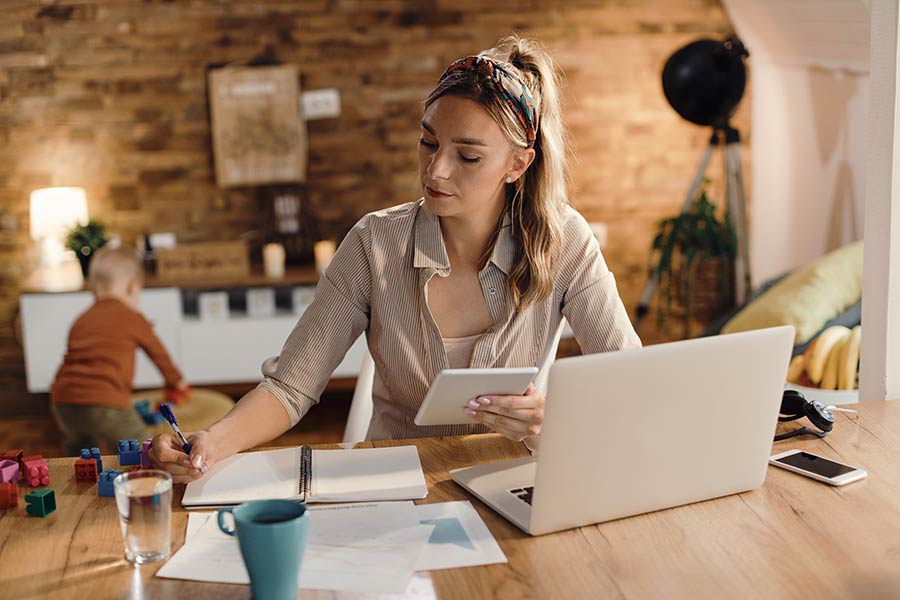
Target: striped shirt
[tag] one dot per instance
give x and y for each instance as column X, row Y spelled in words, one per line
column 376, row 284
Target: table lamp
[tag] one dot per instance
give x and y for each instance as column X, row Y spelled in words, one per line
column 53, row 212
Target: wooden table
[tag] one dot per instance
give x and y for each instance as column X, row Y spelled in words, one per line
column 792, row 538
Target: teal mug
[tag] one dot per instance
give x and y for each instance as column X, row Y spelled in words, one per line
column 272, row 537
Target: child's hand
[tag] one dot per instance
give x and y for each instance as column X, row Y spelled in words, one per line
column 167, row 454
column 177, row 394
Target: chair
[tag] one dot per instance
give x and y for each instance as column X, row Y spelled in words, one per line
column 361, row 405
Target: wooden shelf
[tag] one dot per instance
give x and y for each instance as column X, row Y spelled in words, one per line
column 67, row 278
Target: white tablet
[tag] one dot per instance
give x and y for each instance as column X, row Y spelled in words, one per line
column 452, row 389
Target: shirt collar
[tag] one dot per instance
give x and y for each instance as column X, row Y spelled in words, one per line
column 431, row 252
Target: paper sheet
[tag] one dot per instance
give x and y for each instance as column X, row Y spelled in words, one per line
column 379, row 543
column 459, row 539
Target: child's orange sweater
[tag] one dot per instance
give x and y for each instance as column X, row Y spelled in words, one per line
column 98, row 368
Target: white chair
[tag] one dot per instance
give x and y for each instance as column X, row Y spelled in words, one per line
column 361, row 405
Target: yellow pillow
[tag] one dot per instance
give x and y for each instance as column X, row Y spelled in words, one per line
column 807, row 298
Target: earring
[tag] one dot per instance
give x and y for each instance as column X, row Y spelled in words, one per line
column 509, row 180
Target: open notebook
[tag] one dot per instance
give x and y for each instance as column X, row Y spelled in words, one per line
column 362, row 474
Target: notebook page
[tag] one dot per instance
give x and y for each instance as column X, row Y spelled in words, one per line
column 247, row 476
column 367, row 474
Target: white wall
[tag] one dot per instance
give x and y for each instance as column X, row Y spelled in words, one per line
column 810, row 97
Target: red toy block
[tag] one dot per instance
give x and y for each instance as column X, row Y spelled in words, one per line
column 9, row 495
column 86, row 470
column 36, row 471
column 175, row 395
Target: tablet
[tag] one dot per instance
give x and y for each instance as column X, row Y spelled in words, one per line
column 452, row 389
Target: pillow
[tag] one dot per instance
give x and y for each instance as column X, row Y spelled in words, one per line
column 807, row 298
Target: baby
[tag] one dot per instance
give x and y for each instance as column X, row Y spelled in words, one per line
column 91, row 396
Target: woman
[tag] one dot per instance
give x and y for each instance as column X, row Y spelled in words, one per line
column 478, row 273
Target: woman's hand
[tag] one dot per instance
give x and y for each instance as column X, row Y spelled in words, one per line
column 515, row 417
column 167, row 454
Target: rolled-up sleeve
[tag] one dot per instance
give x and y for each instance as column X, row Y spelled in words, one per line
column 591, row 302
column 337, row 316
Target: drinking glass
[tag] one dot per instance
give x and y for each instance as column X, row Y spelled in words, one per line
column 144, row 500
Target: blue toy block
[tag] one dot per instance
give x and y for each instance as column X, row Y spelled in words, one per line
column 149, row 417
column 129, row 453
column 40, row 503
column 95, row 454
column 105, row 483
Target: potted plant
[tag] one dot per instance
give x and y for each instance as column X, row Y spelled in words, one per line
column 692, row 259
column 85, row 240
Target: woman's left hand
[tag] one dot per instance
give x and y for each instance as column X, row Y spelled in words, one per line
column 515, row 417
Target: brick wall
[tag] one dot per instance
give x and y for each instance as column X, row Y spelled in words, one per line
column 110, row 95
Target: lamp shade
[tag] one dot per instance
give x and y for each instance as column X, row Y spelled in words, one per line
column 55, row 210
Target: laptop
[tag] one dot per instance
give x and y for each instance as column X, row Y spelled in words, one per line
column 639, row 430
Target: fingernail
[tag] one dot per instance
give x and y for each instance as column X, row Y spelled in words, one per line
column 197, row 461
column 484, row 400
column 470, row 412
column 473, row 404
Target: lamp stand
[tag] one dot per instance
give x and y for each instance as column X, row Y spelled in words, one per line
column 736, row 199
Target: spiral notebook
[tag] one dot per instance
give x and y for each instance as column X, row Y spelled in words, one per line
column 301, row 473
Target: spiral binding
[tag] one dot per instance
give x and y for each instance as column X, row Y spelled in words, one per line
column 305, row 481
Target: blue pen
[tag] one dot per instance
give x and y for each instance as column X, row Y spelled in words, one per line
column 169, row 416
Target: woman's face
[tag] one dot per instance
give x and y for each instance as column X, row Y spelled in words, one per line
column 464, row 159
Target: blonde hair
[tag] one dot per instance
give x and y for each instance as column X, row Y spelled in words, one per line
column 536, row 202
column 114, row 267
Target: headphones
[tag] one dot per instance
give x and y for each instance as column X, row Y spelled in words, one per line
column 795, row 406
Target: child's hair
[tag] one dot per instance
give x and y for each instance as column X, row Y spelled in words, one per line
column 114, row 267
column 537, row 200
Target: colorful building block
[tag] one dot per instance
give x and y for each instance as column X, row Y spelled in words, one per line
column 86, row 470
column 93, row 453
column 145, row 457
column 129, row 453
column 175, row 395
column 105, row 483
column 9, row 495
column 9, row 471
column 148, row 415
column 36, row 471
column 15, row 455
column 40, row 503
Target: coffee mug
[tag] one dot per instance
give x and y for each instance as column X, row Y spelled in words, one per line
column 272, row 537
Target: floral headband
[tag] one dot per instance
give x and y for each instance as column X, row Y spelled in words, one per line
column 512, row 89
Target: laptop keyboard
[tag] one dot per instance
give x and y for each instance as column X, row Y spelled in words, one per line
column 524, row 494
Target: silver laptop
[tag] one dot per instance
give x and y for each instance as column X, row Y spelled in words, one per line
column 635, row 431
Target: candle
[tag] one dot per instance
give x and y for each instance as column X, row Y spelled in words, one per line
column 323, row 250
column 273, row 260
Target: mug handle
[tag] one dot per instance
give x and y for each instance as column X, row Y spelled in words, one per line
column 221, row 519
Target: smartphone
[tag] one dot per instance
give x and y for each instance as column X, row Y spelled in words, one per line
column 817, row 467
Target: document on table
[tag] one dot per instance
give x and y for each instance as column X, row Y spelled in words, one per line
column 379, row 543
column 352, row 536
column 460, row 538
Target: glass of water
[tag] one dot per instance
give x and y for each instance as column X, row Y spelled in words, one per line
column 144, row 499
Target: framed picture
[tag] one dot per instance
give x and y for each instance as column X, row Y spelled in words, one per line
column 258, row 135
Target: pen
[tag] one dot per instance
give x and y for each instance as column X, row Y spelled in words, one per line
column 169, row 416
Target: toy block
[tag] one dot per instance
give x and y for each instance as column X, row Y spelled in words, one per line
column 93, row 453
column 105, row 483
column 86, row 470
column 145, row 456
column 129, row 453
column 15, row 455
column 9, row 471
column 175, row 395
column 40, row 503
column 9, row 495
column 36, row 471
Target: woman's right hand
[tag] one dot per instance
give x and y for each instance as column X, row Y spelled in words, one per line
column 167, row 454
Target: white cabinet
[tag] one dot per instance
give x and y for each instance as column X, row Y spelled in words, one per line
column 207, row 352
column 47, row 318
